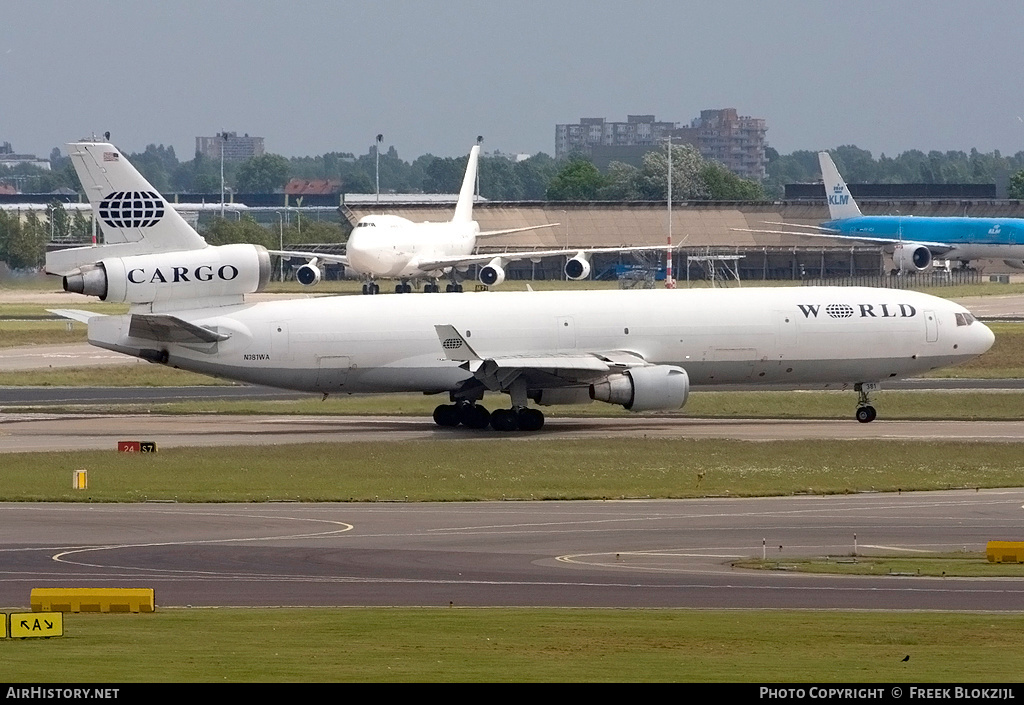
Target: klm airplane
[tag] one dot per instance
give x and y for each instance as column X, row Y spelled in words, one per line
column 917, row 240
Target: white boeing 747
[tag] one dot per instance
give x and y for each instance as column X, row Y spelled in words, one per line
column 392, row 247
column 638, row 349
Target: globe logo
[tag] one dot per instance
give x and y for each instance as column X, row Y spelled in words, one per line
column 132, row 209
column 839, row 310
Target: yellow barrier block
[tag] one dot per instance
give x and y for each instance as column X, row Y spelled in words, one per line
column 92, row 600
column 26, row 625
column 1005, row 551
column 3, row 626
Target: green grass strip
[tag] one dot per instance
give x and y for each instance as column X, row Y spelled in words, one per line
column 522, row 645
column 511, row 469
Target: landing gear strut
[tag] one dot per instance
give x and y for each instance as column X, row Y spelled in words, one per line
column 865, row 412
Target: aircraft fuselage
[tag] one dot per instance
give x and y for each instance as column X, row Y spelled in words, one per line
column 826, row 336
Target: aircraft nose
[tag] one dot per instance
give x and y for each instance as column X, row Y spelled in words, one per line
column 980, row 338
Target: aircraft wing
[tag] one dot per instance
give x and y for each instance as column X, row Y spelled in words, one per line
column 312, row 256
column 171, row 329
column 937, row 247
column 509, row 231
column 467, row 260
column 550, row 369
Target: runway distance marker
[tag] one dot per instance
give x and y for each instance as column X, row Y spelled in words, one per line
column 136, row 447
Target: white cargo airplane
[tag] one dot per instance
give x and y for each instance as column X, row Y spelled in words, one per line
column 638, row 349
column 392, row 247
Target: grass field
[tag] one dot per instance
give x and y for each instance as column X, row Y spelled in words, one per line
column 537, row 469
column 522, row 645
column 963, row 564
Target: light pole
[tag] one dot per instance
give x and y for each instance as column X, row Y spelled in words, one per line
column 223, row 139
column 376, row 152
column 280, row 260
column 669, row 282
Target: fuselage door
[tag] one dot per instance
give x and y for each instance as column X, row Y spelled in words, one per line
column 931, row 327
column 566, row 333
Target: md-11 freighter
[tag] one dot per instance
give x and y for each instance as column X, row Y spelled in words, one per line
column 642, row 350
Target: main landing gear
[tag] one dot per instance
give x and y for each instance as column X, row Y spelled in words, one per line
column 370, row 288
column 475, row 416
column 865, row 412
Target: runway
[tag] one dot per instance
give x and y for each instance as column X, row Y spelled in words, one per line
column 664, row 553
column 21, row 433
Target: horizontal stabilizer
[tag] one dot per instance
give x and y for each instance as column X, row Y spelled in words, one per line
column 170, row 329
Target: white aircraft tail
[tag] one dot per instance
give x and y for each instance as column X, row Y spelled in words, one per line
column 134, row 218
column 840, row 203
column 464, row 208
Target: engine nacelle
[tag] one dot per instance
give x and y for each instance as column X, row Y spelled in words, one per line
column 493, row 273
column 655, row 388
column 563, row 395
column 1014, row 263
column 212, row 272
column 308, row 274
column 578, row 267
column 911, row 256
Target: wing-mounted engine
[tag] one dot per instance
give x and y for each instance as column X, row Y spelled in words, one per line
column 308, row 274
column 578, row 267
column 910, row 255
column 654, row 388
column 1014, row 263
column 493, row 273
column 206, row 274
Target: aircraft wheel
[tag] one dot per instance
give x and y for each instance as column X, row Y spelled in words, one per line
column 366, row 289
column 474, row 416
column 530, row 420
column 866, row 414
column 446, row 415
column 373, row 288
column 504, row 420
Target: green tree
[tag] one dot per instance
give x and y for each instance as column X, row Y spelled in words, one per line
column 652, row 179
column 223, row 231
column 263, row 174
column 26, row 242
column 60, row 226
column 723, row 185
column 578, row 180
column 1016, row 189
column 444, row 175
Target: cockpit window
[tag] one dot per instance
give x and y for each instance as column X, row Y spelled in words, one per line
column 965, row 319
column 366, row 225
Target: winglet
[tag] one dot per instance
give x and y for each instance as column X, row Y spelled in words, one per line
column 840, row 203
column 454, row 345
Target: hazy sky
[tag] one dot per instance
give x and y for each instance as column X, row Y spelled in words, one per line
column 313, row 77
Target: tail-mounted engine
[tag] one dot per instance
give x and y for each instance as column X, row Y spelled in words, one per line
column 227, row 270
column 654, row 388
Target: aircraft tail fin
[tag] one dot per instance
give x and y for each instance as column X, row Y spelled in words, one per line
column 135, row 219
column 464, row 208
column 840, row 203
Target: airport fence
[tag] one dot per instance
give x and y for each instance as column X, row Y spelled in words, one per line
column 956, row 277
